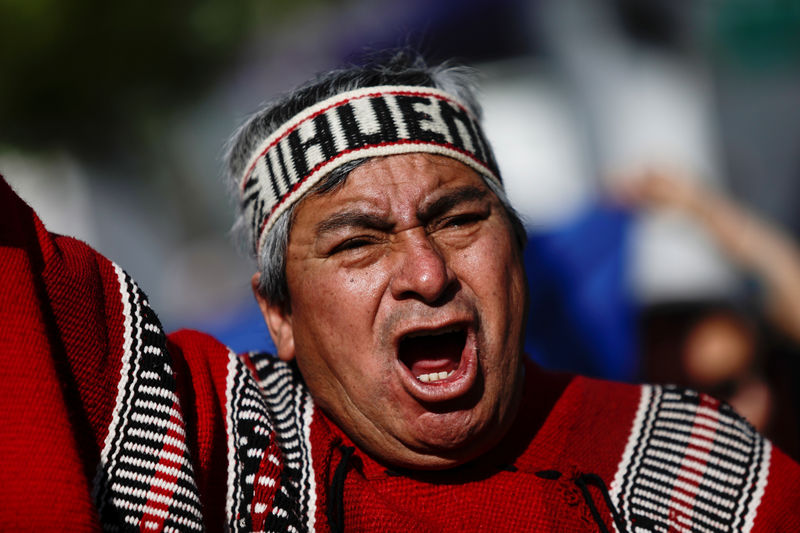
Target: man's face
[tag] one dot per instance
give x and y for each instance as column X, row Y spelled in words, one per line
column 406, row 309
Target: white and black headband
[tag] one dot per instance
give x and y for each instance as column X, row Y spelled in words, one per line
column 368, row 122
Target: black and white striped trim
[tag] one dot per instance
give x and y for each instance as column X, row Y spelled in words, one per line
column 690, row 464
column 145, row 478
column 292, row 409
column 269, row 417
column 357, row 124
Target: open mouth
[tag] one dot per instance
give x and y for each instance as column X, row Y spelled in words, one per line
column 433, row 355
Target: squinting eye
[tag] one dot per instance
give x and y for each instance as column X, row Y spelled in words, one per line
column 462, row 220
column 351, row 244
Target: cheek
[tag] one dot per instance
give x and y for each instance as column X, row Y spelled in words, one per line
column 492, row 269
column 493, row 273
column 340, row 302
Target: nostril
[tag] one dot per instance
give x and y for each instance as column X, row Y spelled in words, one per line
column 424, row 285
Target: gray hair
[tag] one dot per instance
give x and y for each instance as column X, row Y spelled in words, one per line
column 403, row 68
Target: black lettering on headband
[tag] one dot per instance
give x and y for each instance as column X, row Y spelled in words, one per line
column 252, row 180
column 322, row 137
column 353, row 129
column 388, row 131
column 273, row 178
column 284, row 173
column 349, row 126
column 249, row 198
column 450, row 114
column 415, row 118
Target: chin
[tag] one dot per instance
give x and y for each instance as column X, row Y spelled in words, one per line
column 449, row 446
column 442, row 458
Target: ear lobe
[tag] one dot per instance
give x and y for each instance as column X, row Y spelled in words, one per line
column 279, row 321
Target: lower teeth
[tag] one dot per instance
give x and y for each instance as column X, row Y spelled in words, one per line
column 435, row 376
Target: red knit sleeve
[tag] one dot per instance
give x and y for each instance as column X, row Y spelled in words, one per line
column 107, row 423
column 50, row 444
column 780, row 504
column 91, row 427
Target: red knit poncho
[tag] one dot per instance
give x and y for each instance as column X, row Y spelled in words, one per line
column 106, row 423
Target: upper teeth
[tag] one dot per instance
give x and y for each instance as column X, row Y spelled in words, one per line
column 434, row 376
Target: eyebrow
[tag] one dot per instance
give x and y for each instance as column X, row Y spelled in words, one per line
column 448, row 201
column 353, row 219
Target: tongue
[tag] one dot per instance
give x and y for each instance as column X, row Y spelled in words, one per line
column 432, row 353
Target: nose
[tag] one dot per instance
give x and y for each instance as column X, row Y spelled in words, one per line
column 421, row 271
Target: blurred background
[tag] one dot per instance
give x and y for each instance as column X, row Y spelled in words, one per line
column 113, row 118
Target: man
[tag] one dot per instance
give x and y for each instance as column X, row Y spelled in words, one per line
column 389, row 274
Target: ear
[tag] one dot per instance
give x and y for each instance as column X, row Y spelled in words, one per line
column 279, row 321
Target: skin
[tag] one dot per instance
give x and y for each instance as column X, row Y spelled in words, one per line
column 412, row 243
column 718, row 348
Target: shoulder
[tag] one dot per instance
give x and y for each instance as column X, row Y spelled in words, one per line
column 200, row 349
column 654, row 411
column 266, row 413
column 675, row 456
column 690, row 458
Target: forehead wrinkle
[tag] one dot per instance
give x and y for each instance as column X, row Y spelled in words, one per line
column 450, row 199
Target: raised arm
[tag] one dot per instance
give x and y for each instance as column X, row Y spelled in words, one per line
column 750, row 241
